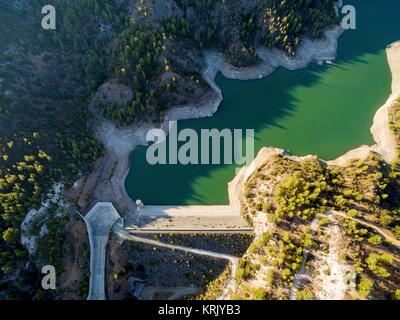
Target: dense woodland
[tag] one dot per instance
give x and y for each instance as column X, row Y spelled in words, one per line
column 143, row 51
column 48, row 79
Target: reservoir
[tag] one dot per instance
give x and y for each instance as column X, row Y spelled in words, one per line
column 323, row 110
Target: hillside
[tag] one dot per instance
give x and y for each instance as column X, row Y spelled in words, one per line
column 153, row 49
column 324, row 231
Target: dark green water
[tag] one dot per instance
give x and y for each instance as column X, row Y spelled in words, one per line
column 323, row 110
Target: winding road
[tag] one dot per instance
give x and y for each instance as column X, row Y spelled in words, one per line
column 99, row 222
column 371, row 225
column 231, row 282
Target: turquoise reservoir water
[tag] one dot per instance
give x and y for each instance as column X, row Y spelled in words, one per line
column 323, row 110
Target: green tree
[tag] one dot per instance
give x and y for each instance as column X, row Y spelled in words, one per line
column 365, row 286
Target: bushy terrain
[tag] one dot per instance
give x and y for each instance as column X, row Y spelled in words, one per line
column 294, row 194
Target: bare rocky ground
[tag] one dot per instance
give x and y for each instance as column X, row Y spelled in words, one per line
column 333, row 277
column 74, row 280
column 232, row 244
column 162, row 270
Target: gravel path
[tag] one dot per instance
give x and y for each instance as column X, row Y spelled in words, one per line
column 384, row 233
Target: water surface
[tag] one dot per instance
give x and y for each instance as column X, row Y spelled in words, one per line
column 322, row 110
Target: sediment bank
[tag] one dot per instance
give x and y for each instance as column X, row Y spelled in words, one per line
column 119, row 143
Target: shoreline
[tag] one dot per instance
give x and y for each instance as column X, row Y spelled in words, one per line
column 385, row 143
column 119, row 143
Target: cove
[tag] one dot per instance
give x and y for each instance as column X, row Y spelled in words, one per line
column 322, row 110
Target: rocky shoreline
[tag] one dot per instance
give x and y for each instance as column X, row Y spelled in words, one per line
column 385, row 143
column 119, row 143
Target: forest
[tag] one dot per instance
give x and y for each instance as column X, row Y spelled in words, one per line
column 48, row 79
column 136, row 50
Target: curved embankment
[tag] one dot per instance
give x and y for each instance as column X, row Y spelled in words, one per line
column 99, row 222
column 385, row 145
column 122, row 142
column 119, row 143
column 385, row 142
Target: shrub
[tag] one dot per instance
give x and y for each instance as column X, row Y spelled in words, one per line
column 385, row 219
column 397, row 232
column 365, row 286
column 259, row 294
column 376, row 264
column 269, row 277
column 305, row 294
column 375, row 240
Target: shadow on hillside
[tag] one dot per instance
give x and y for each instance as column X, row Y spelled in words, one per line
column 377, row 26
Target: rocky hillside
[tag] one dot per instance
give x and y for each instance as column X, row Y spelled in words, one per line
column 153, row 47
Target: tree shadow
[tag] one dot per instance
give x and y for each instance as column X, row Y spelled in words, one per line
column 266, row 105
